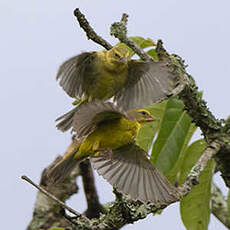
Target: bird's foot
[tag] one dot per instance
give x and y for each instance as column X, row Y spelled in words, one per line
column 102, row 151
column 77, row 101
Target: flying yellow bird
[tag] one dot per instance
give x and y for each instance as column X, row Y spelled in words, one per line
column 106, row 74
column 109, row 140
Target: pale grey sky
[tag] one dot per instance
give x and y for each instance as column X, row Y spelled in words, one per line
column 37, row 36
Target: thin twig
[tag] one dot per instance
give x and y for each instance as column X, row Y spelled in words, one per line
column 53, row 198
column 124, row 18
column 91, row 34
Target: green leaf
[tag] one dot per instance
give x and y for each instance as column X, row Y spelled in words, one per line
column 148, row 130
column 174, row 175
column 146, row 135
column 153, row 54
column 140, row 41
column 192, row 154
column 195, row 207
column 172, row 136
column 143, row 42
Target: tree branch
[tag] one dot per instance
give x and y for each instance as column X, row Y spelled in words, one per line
column 94, row 207
column 197, row 108
column 124, row 211
column 211, row 128
column 193, row 176
column 219, row 206
column 46, row 211
column 119, row 30
column 91, row 34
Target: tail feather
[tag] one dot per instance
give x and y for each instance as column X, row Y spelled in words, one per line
column 66, row 120
column 62, row 169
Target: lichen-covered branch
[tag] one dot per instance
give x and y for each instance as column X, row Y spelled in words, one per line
column 47, row 211
column 197, row 108
column 91, row 34
column 124, row 211
column 219, row 206
column 119, row 30
column 193, row 176
column 212, row 128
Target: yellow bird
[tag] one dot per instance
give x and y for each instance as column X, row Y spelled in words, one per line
column 109, row 140
column 105, row 74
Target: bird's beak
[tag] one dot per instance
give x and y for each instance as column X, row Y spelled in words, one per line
column 150, row 118
column 124, row 60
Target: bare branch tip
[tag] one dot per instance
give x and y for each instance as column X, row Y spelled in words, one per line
column 124, row 18
column 23, row 177
column 76, row 12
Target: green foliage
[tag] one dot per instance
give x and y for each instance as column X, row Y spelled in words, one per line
column 169, row 138
column 175, row 172
column 195, row 207
column 172, row 136
column 141, row 42
column 153, row 54
column 192, row 154
column 149, row 130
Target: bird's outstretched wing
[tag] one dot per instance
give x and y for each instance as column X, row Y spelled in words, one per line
column 90, row 115
column 129, row 170
column 74, row 74
column 147, row 83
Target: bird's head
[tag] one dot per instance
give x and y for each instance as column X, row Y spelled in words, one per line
column 117, row 57
column 140, row 115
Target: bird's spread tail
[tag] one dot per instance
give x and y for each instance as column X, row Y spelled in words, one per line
column 129, row 170
column 66, row 120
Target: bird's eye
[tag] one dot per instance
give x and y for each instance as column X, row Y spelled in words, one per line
column 143, row 113
column 116, row 55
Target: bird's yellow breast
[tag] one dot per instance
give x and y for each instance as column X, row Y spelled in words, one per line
column 110, row 136
column 108, row 81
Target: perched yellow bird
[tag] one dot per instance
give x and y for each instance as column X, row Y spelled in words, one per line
column 106, row 74
column 109, row 140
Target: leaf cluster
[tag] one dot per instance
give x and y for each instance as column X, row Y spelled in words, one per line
column 169, row 144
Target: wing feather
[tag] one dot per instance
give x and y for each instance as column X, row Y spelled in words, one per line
column 74, row 72
column 147, row 83
column 131, row 173
column 90, row 115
